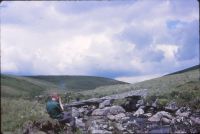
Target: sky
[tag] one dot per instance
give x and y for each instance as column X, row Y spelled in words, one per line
column 132, row 40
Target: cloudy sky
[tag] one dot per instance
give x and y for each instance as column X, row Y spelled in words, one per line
column 130, row 41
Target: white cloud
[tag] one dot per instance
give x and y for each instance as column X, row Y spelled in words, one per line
column 168, row 50
column 39, row 38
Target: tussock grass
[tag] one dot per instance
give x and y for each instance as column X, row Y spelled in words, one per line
column 14, row 112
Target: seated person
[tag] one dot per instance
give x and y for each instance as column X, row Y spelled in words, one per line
column 56, row 111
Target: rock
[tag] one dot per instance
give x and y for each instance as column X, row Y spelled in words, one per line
column 139, row 112
column 105, row 126
column 100, row 132
column 98, row 125
column 180, row 132
column 160, row 130
column 131, row 103
column 105, row 103
column 100, row 112
column 155, row 103
column 119, row 127
column 108, row 110
column 79, row 123
column 183, row 112
column 81, row 110
column 157, row 117
column 75, row 112
column 171, row 107
column 166, row 120
column 110, row 128
column 195, row 120
column 148, row 114
column 111, row 117
column 139, row 103
column 119, row 116
column 116, row 110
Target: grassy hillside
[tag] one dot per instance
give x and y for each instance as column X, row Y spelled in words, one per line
column 77, row 82
column 160, row 84
column 15, row 86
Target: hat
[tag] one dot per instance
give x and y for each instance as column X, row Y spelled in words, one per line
column 54, row 96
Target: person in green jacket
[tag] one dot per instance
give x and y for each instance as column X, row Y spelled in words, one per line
column 56, row 111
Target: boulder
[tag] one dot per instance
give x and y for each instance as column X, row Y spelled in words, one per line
column 113, row 110
column 79, row 123
column 195, row 120
column 119, row 127
column 148, row 114
column 100, row 112
column 139, row 112
column 139, row 103
column 171, row 107
column 75, row 112
column 116, row 110
column 117, row 117
column 183, row 112
column 157, row 117
column 166, row 120
column 105, row 103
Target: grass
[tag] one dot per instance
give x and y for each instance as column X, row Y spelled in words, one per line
column 14, row 112
column 187, row 94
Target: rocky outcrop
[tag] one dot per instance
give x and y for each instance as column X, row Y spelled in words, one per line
column 111, row 115
column 97, row 101
column 113, row 110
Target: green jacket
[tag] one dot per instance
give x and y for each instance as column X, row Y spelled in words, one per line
column 54, row 109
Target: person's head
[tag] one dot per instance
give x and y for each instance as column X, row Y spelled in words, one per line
column 54, row 96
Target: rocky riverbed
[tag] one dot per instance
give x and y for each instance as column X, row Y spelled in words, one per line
column 103, row 116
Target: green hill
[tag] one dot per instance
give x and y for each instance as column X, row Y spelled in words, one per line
column 78, row 83
column 161, row 84
column 30, row 86
column 16, row 86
